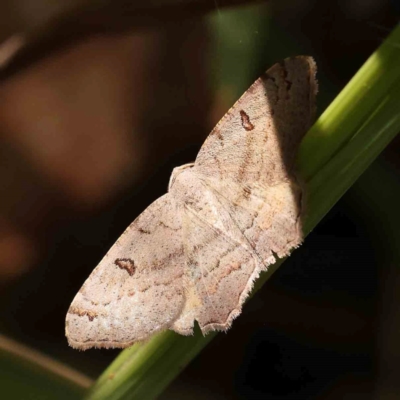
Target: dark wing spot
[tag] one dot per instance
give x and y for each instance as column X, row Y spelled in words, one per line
column 127, row 264
column 82, row 313
column 246, row 123
column 246, row 192
column 285, row 75
column 217, row 132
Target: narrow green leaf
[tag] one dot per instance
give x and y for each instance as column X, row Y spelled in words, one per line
column 144, row 370
column 352, row 106
column 29, row 374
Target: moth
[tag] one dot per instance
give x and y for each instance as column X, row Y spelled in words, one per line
column 194, row 254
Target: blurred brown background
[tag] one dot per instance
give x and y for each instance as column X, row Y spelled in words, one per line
column 99, row 103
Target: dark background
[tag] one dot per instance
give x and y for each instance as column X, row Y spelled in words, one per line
column 99, row 108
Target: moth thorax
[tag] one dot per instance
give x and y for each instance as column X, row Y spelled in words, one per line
column 176, row 171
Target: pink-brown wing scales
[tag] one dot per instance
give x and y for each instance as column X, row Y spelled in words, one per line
column 220, row 274
column 268, row 217
column 136, row 290
column 258, row 138
column 248, row 158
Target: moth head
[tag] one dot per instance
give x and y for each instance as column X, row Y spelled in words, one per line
column 176, row 171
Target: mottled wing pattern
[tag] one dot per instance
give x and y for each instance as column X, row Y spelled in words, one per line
column 268, row 217
column 230, row 236
column 248, row 158
column 220, row 274
column 257, row 139
column 136, row 290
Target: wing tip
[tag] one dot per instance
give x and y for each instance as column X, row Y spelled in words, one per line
column 311, row 70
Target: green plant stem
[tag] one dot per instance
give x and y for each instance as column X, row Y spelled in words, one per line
column 352, row 106
column 28, row 373
column 333, row 180
column 162, row 358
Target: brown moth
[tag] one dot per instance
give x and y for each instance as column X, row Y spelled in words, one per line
column 195, row 252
